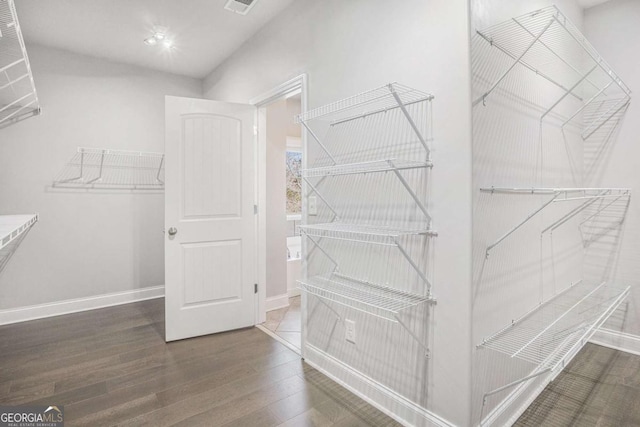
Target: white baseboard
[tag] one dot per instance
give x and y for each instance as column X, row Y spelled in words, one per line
column 617, row 340
column 23, row 314
column 294, row 292
column 405, row 412
column 276, row 302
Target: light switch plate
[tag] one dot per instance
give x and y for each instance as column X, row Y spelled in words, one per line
column 313, row 206
column 350, row 331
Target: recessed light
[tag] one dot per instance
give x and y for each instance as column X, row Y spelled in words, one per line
column 158, row 35
column 151, row 41
column 168, row 44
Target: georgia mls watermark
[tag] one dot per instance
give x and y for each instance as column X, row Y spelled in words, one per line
column 31, row 416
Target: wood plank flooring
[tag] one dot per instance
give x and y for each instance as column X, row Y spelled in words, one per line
column 600, row 387
column 112, row 367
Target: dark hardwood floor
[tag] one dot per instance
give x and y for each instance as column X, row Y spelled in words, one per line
column 112, row 367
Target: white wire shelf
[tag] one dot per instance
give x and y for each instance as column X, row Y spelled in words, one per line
column 378, row 300
column 364, row 167
column 588, row 196
column 550, row 45
column 374, row 101
column 18, row 97
column 550, row 335
column 382, row 235
column 545, row 335
column 12, row 226
column 104, row 168
column 365, row 120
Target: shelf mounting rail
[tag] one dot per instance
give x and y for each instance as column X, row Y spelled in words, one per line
column 590, row 195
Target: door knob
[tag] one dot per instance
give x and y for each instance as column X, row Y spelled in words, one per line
column 173, row 231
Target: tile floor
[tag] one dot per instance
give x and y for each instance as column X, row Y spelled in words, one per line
column 286, row 322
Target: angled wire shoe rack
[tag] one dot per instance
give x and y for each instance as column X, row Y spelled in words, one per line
column 547, row 44
column 382, row 131
column 550, row 45
column 104, row 168
column 18, row 97
column 552, row 333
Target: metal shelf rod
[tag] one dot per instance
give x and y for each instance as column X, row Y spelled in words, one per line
column 571, row 214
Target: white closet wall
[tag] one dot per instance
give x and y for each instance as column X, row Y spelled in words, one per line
column 517, row 144
column 613, row 29
column 92, row 242
column 350, row 47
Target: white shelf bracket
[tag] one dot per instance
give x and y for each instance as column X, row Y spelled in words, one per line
column 414, row 266
column 414, row 196
column 410, row 119
column 427, row 352
column 314, row 136
column 319, row 246
column 531, row 215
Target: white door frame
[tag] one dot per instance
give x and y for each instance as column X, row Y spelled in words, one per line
column 296, row 84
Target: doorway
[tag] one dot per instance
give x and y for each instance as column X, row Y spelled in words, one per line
column 280, row 161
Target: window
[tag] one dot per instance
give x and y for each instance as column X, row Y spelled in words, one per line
column 294, row 182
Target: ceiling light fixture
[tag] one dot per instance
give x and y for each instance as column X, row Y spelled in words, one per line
column 159, row 36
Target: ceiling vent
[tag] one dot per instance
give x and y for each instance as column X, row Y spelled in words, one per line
column 241, row 7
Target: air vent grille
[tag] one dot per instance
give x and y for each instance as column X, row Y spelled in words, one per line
column 241, row 7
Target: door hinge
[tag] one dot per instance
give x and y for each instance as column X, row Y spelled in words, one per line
column 255, row 288
column 255, row 209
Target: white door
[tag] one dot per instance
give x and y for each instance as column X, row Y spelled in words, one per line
column 210, row 251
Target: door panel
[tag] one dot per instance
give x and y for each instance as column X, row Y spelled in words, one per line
column 212, row 166
column 210, row 262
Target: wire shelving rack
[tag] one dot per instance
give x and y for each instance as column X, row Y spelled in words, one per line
column 552, row 333
column 385, row 130
column 13, row 226
column 105, row 168
column 588, row 196
column 18, row 97
column 547, row 43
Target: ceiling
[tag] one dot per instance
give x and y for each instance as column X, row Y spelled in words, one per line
column 590, row 3
column 204, row 34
